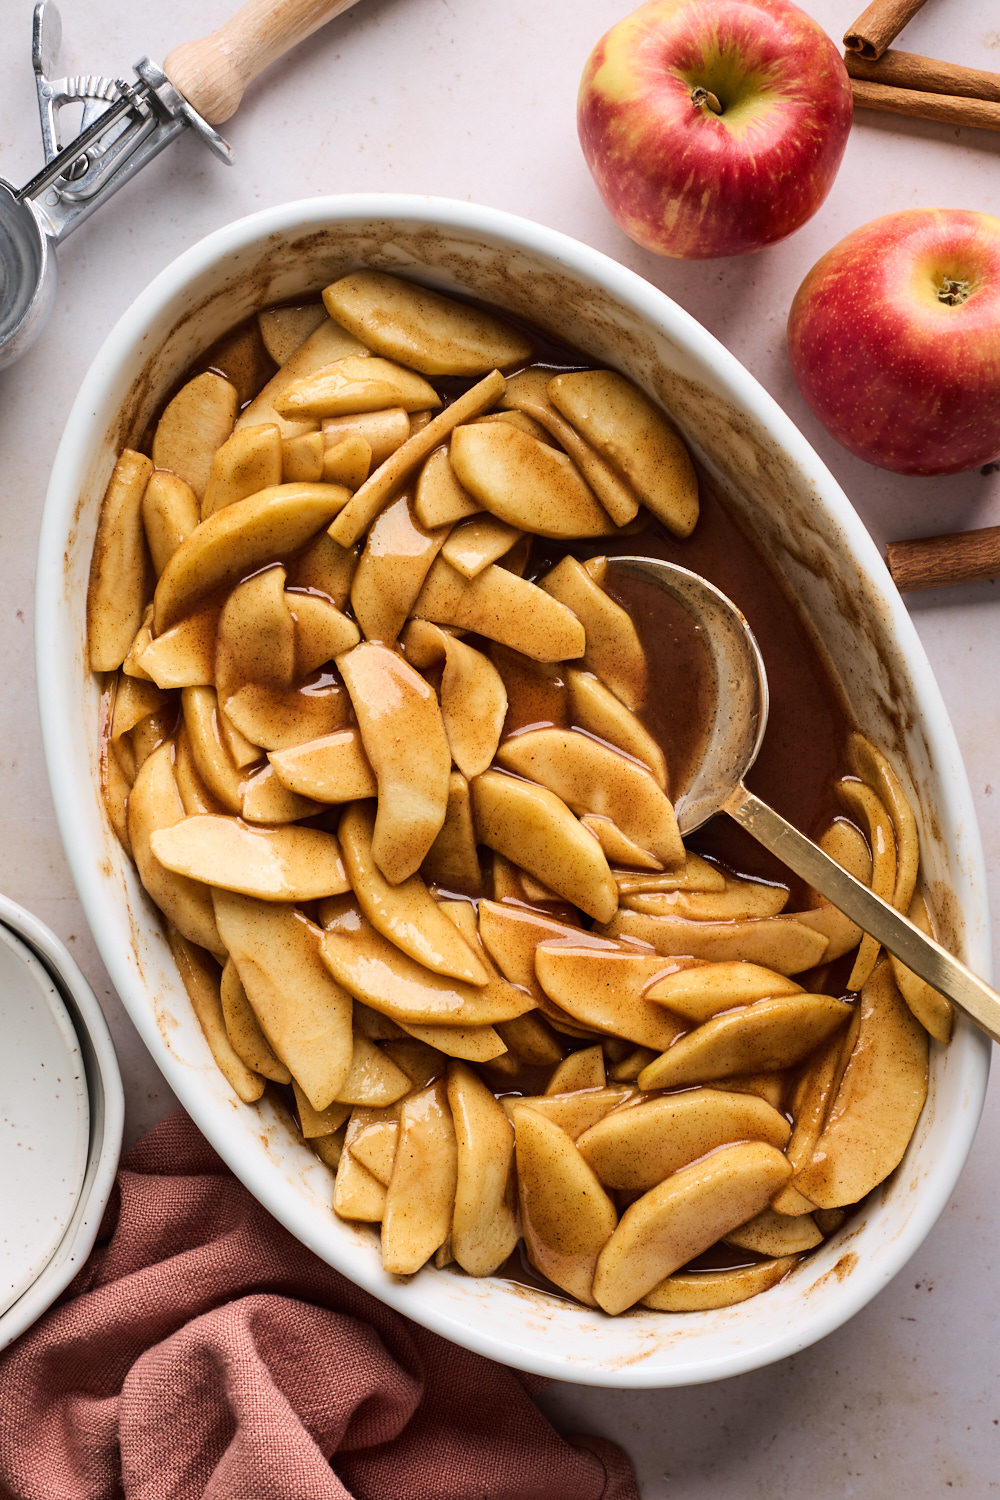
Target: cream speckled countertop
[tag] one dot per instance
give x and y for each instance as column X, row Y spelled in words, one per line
column 466, row 102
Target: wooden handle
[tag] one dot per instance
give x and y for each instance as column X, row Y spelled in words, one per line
column 213, row 73
column 932, row 562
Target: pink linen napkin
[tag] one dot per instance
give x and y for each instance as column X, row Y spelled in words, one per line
column 202, row 1353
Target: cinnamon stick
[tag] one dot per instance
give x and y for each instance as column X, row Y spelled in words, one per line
column 879, row 25
column 932, row 562
column 951, row 108
column 905, row 70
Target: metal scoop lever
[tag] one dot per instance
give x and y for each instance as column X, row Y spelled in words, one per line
column 734, row 738
column 123, row 127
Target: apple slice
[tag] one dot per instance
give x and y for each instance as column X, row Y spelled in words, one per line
column 375, row 1148
column 566, row 1215
column 780, row 943
column 387, row 478
column 380, row 433
column 473, row 706
column 239, row 540
column 116, row 595
column 575, row 1113
column 406, row 914
column 876, row 1108
column 602, row 986
column 484, row 1228
column 528, row 484
column 740, row 899
column 194, row 424
column 871, row 811
column 616, row 846
column 327, row 567
column 256, row 636
column 184, row 655
column 267, row 800
column 614, row 651
column 388, row 980
column 840, row 932
column 333, row 768
column 420, row 1198
column 504, row 608
column 397, row 558
column 134, row 701
column 170, row 512
column 355, row 384
column 285, row 329
column 322, row 631
column 511, row 934
column 358, row 1194
column 245, row 1034
column 683, row 1216
column 374, row 1079
column 531, row 825
column 348, row 459
column 440, row 499
column 815, row 1088
column 479, row 1044
column 273, row 864
column 200, row 976
column 327, row 343
column 873, row 768
column 453, row 859
column 404, row 738
column 194, row 793
column 592, row 778
column 247, row 462
column 421, row 328
column 527, row 393
column 636, row 438
column 637, row 1148
column 304, row 1013
column 283, row 718
column 934, row 1011
column 316, row 1123
column 580, row 1070
column 770, row 1233
column 476, row 543
column 155, row 804
column 699, row 994
column 702, row 1291
column 766, row 1036
column 696, row 874
column 533, row 1040
column 597, row 709
column 420, row 1062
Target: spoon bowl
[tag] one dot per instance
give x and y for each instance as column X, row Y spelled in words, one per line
column 734, row 738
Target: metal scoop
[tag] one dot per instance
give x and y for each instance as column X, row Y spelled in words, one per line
column 735, row 736
column 123, row 127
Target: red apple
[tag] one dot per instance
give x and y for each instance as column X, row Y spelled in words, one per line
column 894, row 339
column 713, row 127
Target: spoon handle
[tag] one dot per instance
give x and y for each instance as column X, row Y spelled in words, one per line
column 875, row 916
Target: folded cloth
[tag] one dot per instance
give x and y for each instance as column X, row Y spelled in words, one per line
column 202, row 1353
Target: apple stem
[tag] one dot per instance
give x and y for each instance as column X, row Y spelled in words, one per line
column 700, row 96
column 952, row 292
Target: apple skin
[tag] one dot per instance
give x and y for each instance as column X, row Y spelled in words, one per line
column 685, row 182
column 897, row 375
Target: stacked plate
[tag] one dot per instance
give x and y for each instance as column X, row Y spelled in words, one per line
column 61, row 1115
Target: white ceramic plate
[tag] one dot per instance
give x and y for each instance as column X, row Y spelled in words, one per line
column 79, row 1018
column 788, row 500
column 44, row 1118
